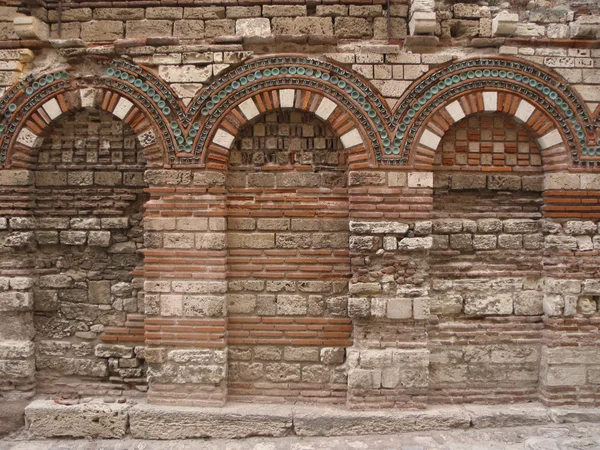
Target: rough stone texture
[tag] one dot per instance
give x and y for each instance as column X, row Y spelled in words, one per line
column 47, row 419
column 160, row 422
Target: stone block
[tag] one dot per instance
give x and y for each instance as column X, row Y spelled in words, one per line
column 422, row 22
column 399, row 308
column 415, row 244
column 420, row 179
column 188, row 29
column 113, row 351
column 104, row 30
column 505, row 24
column 352, row 27
column 148, row 28
column 47, row 419
column 359, row 307
column 29, row 27
column 99, row 292
column 203, row 306
column 12, row 177
column 564, row 375
column 378, row 227
column 488, row 303
column 216, row 28
column 467, row 181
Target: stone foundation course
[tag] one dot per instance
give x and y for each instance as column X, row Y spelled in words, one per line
column 95, row 419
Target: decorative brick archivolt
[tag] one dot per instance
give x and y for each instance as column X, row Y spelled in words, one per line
column 202, row 132
column 31, row 106
column 556, row 114
column 549, row 139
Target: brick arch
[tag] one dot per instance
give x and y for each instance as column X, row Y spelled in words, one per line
column 346, row 127
column 538, row 86
column 35, row 122
column 302, row 82
column 549, row 138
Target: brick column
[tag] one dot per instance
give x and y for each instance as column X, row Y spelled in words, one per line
column 570, row 362
column 389, row 294
column 17, row 365
column 185, row 288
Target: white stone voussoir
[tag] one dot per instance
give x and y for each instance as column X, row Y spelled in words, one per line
column 29, row 139
column 456, row 111
column 351, row 139
column 286, row 98
column 325, row 109
column 524, row 111
column 490, row 101
column 122, row 108
column 429, row 139
column 249, row 109
column 550, row 139
column 52, row 108
column 223, row 138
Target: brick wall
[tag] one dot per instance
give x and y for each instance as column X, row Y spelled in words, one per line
column 288, row 261
column 87, row 225
column 377, row 222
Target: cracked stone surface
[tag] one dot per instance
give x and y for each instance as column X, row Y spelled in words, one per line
column 576, row 436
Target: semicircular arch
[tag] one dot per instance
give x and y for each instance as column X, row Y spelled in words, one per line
column 531, row 84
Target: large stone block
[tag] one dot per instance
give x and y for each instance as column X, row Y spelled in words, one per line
column 235, row 421
column 48, row 419
column 104, row 30
column 489, row 303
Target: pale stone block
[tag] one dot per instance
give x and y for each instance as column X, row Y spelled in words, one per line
column 422, row 23
column 590, row 181
column 490, row 101
column 561, row 181
column 390, row 243
column 29, row 139
column 378, row 227
column 249, row 109
column 430, row 139
column 223, row 138
column 397, row 179
column 524, row 111
column 550, row 139
column 325, row 109
column 88, row 97
column 286, row 98
column 564, row 375
column 505, row 24
column 420, row 179
column 456, row 111
column 52, row 108
column 29, row 27
column 122, row 108
column 351, row 139
column 399, row 308
column 255, row 27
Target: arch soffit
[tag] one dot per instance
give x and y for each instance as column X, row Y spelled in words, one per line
column 556, row 114
column 388, row 137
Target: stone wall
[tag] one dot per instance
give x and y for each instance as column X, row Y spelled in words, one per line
column 325, row 202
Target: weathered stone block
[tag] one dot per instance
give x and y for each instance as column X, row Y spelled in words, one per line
column 47, row 419
column 104, row 30
column 482, row 304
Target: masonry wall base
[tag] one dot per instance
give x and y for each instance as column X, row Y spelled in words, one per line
column 47, row 419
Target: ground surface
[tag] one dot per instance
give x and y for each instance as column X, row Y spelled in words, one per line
column 543, row 437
